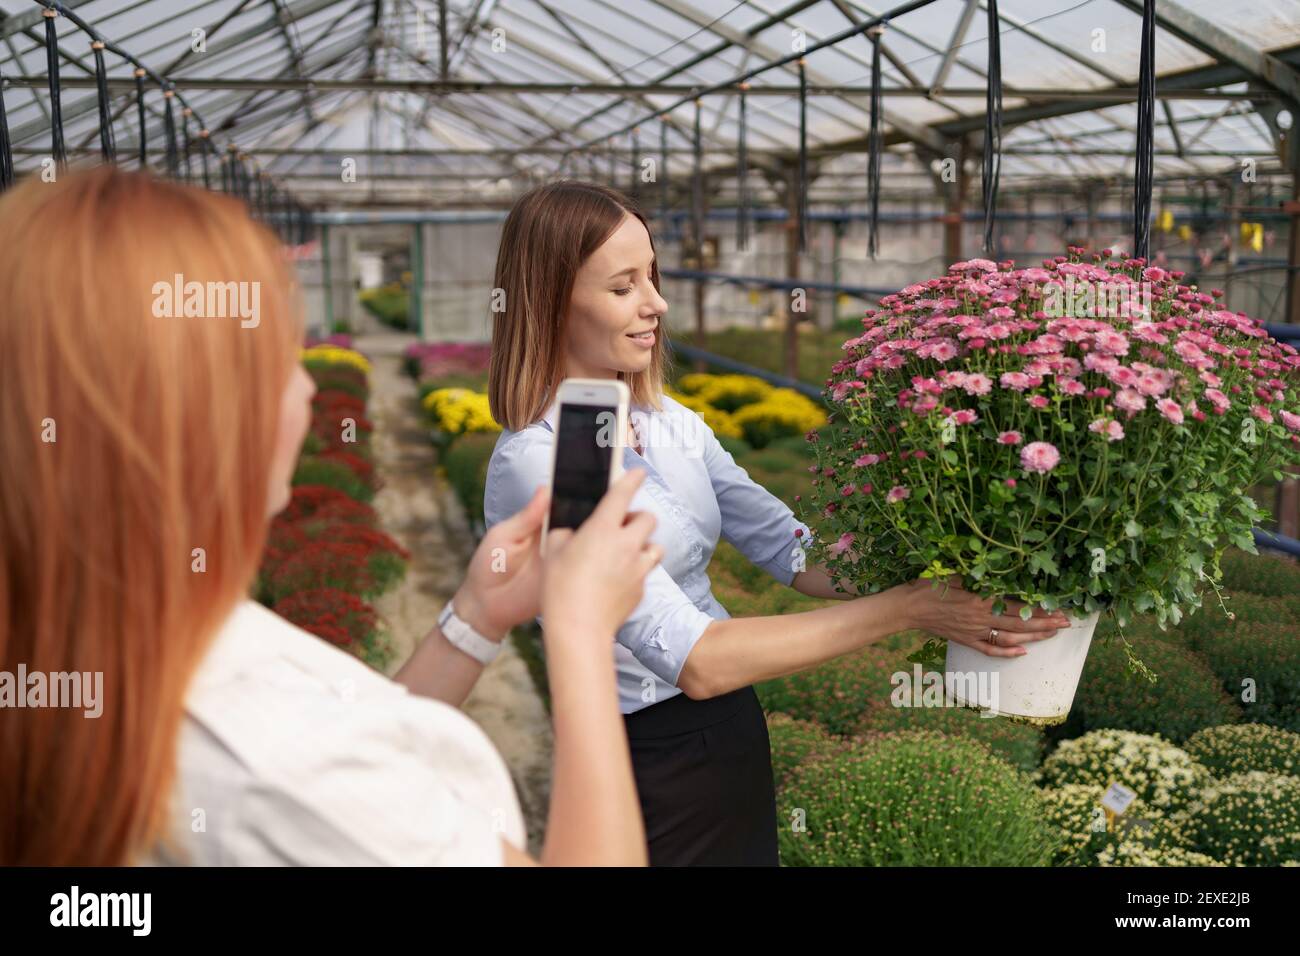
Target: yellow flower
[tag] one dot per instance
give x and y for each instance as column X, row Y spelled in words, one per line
column 725, row 392
column 459, row 410
column 783, row 412
column 334, row 355
column 720, row 422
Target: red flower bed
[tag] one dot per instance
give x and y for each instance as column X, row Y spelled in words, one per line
column 342, row 619
column 326, row 504
column 362, row 468
column 325, row 554
column 337, row 403
column 372, row 539
column 323, row 564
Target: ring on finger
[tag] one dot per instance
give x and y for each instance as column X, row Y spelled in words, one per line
column 993, row 636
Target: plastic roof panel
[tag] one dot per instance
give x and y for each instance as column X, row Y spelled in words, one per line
column 1068, row 45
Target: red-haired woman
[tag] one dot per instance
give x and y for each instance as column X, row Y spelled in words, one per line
column 132, row 436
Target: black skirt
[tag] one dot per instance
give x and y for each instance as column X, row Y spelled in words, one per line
column 703, row 772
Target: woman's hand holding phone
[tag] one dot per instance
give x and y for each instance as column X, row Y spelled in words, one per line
column 503, row 583
column 594, row 577
column 590, row 583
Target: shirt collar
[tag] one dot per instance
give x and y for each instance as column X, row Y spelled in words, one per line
column 553, row 411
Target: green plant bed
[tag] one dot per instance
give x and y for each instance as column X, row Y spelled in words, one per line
column 316, row 471
column 1258, row 665
column 916, row 798
column 837, row 694
column 465, row 463
column 765, row 349
column 1269, row 575
column 1186, row 696
column 736, row 446
column 389, row 304
column 1237, row 748
column 527, row 640
column 1018, row 744
column 794, row 742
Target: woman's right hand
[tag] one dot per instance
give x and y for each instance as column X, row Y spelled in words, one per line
column 594, row 577
column 947, row 610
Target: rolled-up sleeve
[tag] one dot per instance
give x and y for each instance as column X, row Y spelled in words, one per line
column 665, row 625
column 758, row 523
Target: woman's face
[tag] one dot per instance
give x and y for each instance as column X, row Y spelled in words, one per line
column 295, row 419
column 613, row 305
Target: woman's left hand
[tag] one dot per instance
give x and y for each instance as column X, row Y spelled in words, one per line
column 503, row 584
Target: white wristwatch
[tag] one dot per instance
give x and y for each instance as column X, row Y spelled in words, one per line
column 464, row 637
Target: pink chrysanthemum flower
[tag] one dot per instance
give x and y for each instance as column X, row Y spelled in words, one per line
column 1040, row 457
column 897, row 493
column 1171, row 410
column 1109, row 427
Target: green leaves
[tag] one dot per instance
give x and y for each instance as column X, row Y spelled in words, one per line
column 932, row 654
column 1041, row 562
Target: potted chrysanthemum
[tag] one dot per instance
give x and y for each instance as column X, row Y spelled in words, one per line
column 1079, row 436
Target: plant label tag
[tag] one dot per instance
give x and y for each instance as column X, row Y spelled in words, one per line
column 1117, row 798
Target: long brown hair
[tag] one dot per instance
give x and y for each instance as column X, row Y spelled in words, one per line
column 130, row 441
column 550, row 232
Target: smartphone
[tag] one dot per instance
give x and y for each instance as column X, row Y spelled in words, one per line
column 587, row 456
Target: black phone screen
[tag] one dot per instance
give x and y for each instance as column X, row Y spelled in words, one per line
column 584, row 449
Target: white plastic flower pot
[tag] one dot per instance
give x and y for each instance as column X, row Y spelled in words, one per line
column 1038, row 686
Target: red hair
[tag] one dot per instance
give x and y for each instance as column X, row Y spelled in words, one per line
column 129, row 442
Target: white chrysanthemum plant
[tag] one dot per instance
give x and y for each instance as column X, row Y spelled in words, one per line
column 1079, row 436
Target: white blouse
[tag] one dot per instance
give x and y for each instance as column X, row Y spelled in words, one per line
column 293, row 752
column 697, row 494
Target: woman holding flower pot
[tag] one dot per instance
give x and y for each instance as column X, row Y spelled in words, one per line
column 581, row 284
column 1082, row 436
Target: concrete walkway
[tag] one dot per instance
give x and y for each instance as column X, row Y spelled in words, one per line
column 418, row 507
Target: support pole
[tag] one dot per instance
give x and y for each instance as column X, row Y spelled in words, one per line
column 417, row 280
column 327, row 277
column 791, row 343
column 952, row 220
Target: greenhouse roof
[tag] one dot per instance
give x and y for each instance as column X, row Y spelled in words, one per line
column 522, row 89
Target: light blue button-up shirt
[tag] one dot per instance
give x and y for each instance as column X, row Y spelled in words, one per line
column 697, row 493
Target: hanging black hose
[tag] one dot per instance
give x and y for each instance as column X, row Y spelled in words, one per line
column 992, row 126
column 663, row 173
column 874, row 146
column 139, row 111
column 169, row 130
column 107, row 145
column 742, row 179
column 635, row 189
column 204, row 146
column 1146, row 112
column 802, row 194
column 186, row 113
column 697, row 193
column 52, row 71
column 225, row 175
column 6, row 147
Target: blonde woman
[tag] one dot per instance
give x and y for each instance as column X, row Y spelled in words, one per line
column 581, row 280
column 225, row 735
